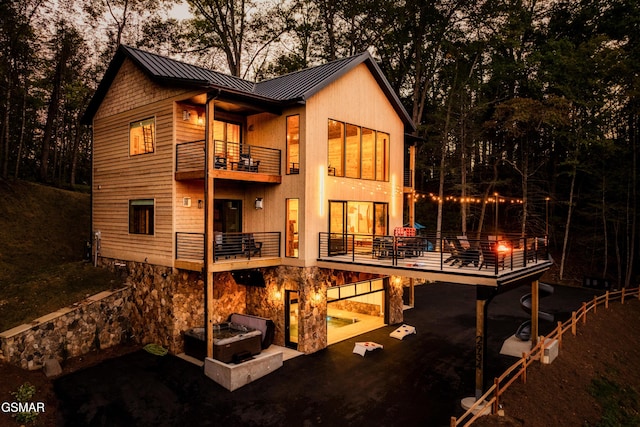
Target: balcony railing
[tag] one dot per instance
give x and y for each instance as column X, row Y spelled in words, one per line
column 488, row 255
column 190, row 246
column 408, row 178
column 231, row 156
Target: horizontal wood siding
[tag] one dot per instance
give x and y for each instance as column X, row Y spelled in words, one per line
column 119, row 177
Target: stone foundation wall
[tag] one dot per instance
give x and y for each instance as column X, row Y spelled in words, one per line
column 160, row 303
column 165, row 302
column 98, row 322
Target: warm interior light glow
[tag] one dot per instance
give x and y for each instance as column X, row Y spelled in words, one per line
column 393, row 195
column 321, row 173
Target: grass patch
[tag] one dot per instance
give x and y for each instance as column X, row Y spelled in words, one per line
column 619, row 403
column 43, row 235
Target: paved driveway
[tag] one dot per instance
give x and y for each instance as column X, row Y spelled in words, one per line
column 415, row 382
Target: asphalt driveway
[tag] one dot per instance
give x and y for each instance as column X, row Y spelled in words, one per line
column 415, row 382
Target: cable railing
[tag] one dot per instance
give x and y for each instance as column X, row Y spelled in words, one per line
column 226, row 246
column 489, row 402
column 489, row 254
column 231, row 156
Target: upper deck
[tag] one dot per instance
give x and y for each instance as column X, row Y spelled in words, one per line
column 484, row 262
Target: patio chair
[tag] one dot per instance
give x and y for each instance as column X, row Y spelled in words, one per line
column 248, row 164
column 466, row 254
column 454, row 254
column 490, row 255
column 251, row 247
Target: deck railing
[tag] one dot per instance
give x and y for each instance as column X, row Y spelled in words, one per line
column 232, row 156
column 408, row 178
column 190, row 246
column 489, row 403
column 491, row 254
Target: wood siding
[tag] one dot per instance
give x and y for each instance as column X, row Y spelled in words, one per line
column 118, row 177
column 357, row 99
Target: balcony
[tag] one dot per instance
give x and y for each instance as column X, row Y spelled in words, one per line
column 230, row 250
column 407, row 178
column 241, row 162
column 487, row 261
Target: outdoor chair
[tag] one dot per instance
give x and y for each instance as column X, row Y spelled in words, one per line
column 251, row 247
column 490, row 255
column 248, row 164
column 466, row 254
column 454, row 254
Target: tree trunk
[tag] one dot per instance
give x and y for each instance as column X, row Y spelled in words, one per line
column 568, row 223
column 5, row 127
column 23, row 125
column 634, row 205
column 52, row 112
column 604, row 228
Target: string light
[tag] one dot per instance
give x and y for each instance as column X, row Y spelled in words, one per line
column 416, row 196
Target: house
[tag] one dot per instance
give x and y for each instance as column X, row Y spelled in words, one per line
column 218, row 195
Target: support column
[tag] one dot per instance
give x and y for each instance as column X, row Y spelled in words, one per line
column 484, row 295
column 535, row 305
column 208, row 226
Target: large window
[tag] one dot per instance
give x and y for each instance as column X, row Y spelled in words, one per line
column 293, row 144
column 352, row 151
column 226, row 138
column 353, row 217
column 382, row 156
column 141, row 216
column 336, row 148
column 368, row 153
column 142, row 137
column 291, row 233
column 357, row 152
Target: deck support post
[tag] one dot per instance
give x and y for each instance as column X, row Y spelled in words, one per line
column 535, row 306
column 208, row 225
column 484, row 295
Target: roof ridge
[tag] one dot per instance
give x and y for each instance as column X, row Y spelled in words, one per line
column 345, row 59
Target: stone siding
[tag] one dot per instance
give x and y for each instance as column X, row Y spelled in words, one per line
column 159, row 304
column 98, row 322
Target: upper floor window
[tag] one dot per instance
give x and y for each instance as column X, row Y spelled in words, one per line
column 293, row 144
column 357, row 152
column 141, row 216
column 142, row 137
column 336, row 148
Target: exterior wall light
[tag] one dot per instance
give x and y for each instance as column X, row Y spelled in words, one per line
column 259, row 203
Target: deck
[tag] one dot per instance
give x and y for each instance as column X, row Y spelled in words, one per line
column 482, row 262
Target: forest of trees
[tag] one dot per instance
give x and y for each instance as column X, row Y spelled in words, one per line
column 534, row 100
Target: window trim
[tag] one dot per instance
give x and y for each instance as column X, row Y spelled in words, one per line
column 139, row 123
column 289, row 170
column 386, row 154
column 151, row 226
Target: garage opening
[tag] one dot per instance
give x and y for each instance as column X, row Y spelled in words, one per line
column 355, row 308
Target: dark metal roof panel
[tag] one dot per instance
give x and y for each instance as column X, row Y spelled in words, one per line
column 303, row 83
column 166, row 68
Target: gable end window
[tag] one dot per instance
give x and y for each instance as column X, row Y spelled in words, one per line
column 357, row 152
column 142, row 137
column 141, row 216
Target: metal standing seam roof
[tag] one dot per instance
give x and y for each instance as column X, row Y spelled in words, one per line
column 162, row 67
column 285, row 89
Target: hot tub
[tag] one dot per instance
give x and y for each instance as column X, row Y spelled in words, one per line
column 232, row 342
